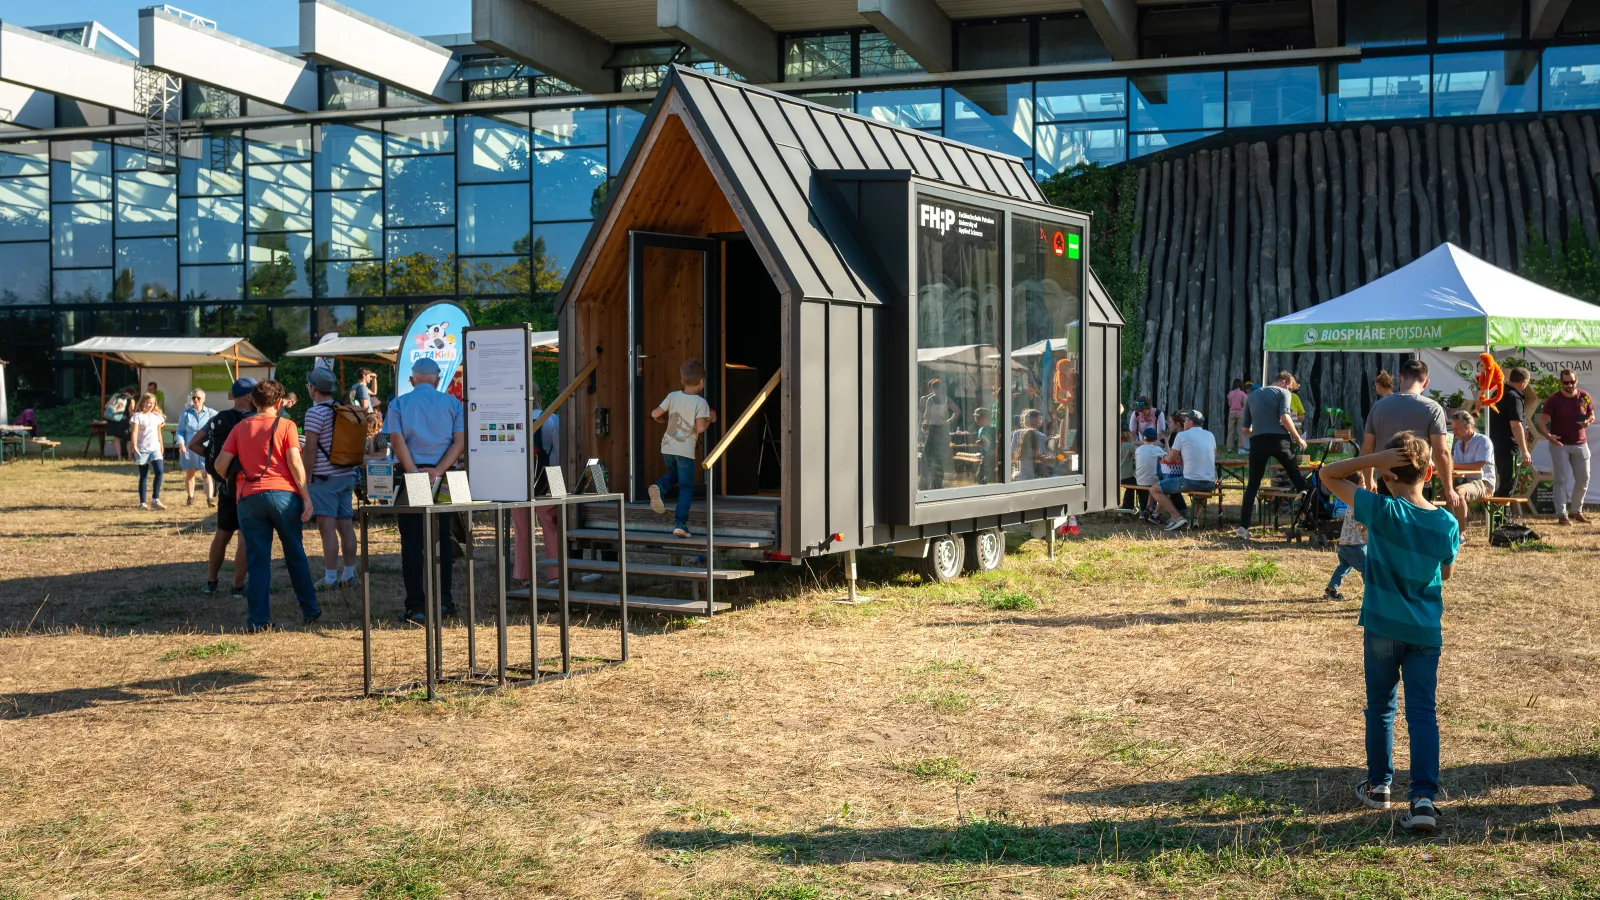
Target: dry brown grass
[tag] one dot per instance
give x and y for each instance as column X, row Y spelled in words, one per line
column 1171, row 718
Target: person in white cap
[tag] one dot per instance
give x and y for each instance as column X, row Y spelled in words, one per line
column 426, row 428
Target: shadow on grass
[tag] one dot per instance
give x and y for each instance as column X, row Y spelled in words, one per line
column 44, row 703
column 1216, row 610
column 1209, row 819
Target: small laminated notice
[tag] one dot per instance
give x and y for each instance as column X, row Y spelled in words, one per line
column 457, row 487
column 419, row 492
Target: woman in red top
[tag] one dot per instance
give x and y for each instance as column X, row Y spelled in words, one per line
column 272, row 497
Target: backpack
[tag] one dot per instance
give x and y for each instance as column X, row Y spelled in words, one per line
column 217, row 434
column 1511, row 534
column 347, row 446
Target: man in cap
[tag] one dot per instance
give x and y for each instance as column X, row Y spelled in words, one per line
column 332, row 487
column 1196, row 449
column 425, row 427
column 207, row 443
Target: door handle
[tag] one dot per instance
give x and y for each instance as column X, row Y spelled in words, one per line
column 639, row 356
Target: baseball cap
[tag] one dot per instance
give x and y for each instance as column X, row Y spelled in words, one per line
column 1193, row 415
column 323, row 380
column 242, row 388
column 425, row 366
column 1150, row 434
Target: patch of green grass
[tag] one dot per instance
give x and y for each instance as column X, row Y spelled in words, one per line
column 1206, row 800
column 1006, row 600
column 952, row 669
column 1535, row 547
column 944, row 701
column 789, row 888
column 1256, row 570
column 215, row 650
column 939, row 768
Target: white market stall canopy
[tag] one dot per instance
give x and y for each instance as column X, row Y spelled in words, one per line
column 1446, row 298
column 172, row 353
column 387, row 348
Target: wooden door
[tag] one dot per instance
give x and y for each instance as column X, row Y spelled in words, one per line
column 673, row 296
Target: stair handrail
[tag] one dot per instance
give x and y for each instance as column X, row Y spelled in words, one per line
column 711, row 482
column 743, row 420
column 566, row 394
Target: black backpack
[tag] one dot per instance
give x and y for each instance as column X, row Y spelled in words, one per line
column 217, row 434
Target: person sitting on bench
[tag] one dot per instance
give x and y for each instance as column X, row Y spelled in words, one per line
column 1196, row 448
column 1473, row 455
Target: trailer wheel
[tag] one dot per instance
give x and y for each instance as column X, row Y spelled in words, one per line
column 946, row 554
column 986, row 550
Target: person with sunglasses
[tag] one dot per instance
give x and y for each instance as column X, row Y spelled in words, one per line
column 1562, row 421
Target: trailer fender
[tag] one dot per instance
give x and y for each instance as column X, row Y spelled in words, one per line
column 917, row 549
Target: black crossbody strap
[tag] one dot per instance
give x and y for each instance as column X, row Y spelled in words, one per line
column 272, row 444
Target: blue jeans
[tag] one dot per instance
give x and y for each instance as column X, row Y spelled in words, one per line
column 1351, row 556
column 157, row 466
column 260, row 515
column 1175, row 486
column 1386, row 660
column 680, row 472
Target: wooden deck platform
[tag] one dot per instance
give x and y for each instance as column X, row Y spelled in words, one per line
column 635, row 602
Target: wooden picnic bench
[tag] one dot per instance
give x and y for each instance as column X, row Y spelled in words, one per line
column 1198, row 498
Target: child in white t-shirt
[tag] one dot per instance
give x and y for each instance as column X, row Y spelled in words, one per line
column 1147, row 467
column 1352, row 550
column 686, row 414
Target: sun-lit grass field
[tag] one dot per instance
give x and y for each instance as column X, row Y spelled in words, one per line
column 1141, row 717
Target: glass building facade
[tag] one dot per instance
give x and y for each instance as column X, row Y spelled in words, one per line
column 333, row 222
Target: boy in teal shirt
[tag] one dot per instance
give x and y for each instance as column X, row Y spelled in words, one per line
column 1411, row 547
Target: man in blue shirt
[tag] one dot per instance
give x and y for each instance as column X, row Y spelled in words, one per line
column 1411, row 548
column 425, row 428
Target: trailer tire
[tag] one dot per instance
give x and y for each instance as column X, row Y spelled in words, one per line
column 985, row 550
column 946, row 556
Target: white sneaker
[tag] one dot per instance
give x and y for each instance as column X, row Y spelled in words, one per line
column 681, row 532
column 1421, row 818
column 1175, row 524
column 157, row 504
column 143, row 505
column 1242, row 533
column 656, row 506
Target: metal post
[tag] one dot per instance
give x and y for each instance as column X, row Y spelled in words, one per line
column 427, row 599
column 562, row 590
column 472, row 604
column 1050, row 525
column 439, row 533
column 711, row 537
column 500, row 594
column 622, row 569
column 533, row 589
column 850, row 562
column 366, row 615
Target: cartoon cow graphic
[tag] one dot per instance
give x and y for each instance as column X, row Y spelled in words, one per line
column 434, row 337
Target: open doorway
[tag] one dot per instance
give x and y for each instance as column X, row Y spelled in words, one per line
column 752, row 350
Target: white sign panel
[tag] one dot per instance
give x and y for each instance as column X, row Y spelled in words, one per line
column 1450, row 371
column 499, row 364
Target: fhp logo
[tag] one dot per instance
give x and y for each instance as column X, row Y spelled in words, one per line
column 936, row 218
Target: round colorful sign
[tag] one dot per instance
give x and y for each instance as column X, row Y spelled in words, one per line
column 435, row 333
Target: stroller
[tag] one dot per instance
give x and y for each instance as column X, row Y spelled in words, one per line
column 1318, row 519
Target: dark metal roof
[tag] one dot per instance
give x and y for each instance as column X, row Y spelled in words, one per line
column 774, row 150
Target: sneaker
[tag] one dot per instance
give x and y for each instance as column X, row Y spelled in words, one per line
column 1580, row 517
column 1421, row 817
column 681, row 532
column 325, row 586
column 189, row 501
column 238, row 592
column 1175, row 524
column 1564, row 521
column 413, row 618
column 552, row 584
column 157, row 504
column 1332, row 593
column 144, row 505
column 656, row 506
column 210, row 588
column 589, row 578
column 1242, row 533
column 1373, row 797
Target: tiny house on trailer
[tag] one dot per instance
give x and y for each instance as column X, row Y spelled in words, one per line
column 943, row 362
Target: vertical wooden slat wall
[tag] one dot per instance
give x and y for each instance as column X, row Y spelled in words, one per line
column 1234, row 236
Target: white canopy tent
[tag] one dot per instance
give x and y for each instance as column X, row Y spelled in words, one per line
column 386, row 349
column 1448, row 298
column 160, row 359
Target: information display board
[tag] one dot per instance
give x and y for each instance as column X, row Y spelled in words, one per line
column 498, row 364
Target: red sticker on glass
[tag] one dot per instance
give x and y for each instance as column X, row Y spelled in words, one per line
column 1059, row 244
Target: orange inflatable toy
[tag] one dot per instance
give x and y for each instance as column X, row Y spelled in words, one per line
column 1491, row 382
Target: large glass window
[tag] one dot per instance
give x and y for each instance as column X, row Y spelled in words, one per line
column 1175, row 102
column 1385, row 23
column 285, row 143
column 213, row 230
column 24, row 274
column 881, row 56
column 916, row 108
column 421, row 191
column 349, row 157
column 25, row 209
column 1290, row 96
column 80, row 233
column 212, row 165
column 421, row 261
column 279, row 266
column 1146, row 144
column 493, row 219
column 349, row 225
column 24, row 158
column 993, row 45
column 1087, row 98
column 201, row 283
column 278, row 197
column 1480, row 84
column 1394, row 87
column 1277, row 25
column 81, row 170
column 569, row 127
column 411, row 136
column 625, row 124
column 958, row 343
column 568, row 184
column 1046, row 320
column 995, row 117
column 816, row 57
column 147, row 204
column 349, row 279
column 1070, row 39
column 492, row 149
column 343, row 89
column 82, row 285
column 1572, row 77
column 485, row 276
column 1062, row 146
column 147, row 270
column 1185, row 31
column 555, row 249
